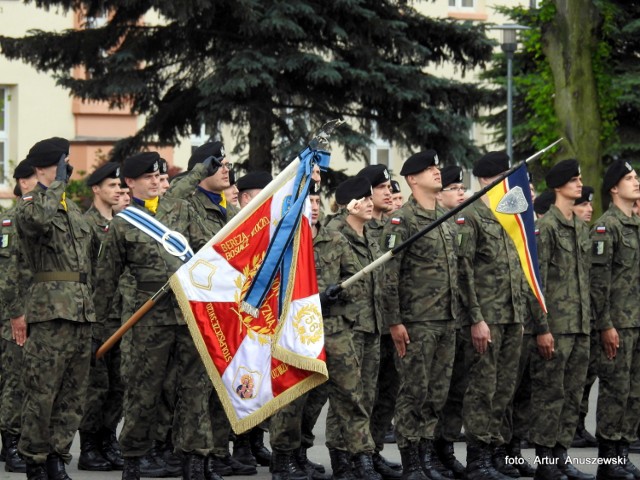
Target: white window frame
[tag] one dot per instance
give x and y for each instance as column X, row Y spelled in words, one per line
column 458, row 5
column 4, row 136
column 379, row 144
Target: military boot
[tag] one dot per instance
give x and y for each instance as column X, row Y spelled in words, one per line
column 411, row 463
column 622, row 448
column 91, row 457
column 479, row 466
column 193, row 467
column 111, row 448
column 226, row 463
column 242, row 450
column 383, row 468
column 258, row 449
column 363, row 467
column 149, row 467
column 566, row 467
column 341, row 465
column 547, row 468
column 582, row 438
column 36, row 471
column 501, row 462
column 315, row 471
column 55, row 468
column 427, row 458
column 445, row 452
column 131, row 468
column 14, row 462
column 520, row 463
column 610, row 470
column 284, row 467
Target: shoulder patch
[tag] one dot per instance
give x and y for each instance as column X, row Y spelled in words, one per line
column 390, row 241
column 536, row 231
column 6, row 222
column 460, row 220
column 601, row 229
column 396, row 221
column 26, row 198
column 598, row 248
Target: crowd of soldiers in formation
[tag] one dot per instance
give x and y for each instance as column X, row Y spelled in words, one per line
column 447, row 337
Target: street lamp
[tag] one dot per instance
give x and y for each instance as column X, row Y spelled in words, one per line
column 509, row 45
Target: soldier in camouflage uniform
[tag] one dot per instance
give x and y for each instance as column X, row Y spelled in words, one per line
column 388, row 379
column 559, row 368
column 13, row 292
column 450, row 421
column 352, row 323
column 59, row 246
column 161, row 335
column 615, row 289
column 202, row 186
column 397, row 199
column 421, row 304
column 491, row 284
column 103, row 406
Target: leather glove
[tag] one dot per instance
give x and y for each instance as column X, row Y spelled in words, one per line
column 95, row 346
column 212, row 164
column 63, row 170
column 330, row 295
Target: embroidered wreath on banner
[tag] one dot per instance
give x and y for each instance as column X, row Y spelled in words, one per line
column 308, row 325
column 254, row 332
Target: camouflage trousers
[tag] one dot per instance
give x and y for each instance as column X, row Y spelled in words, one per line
column 146, row 354
column 450, row 421
column 386, row 393
column 492, row 381
column 12, row 387
column 221, row 428
column 105, row 392
column 285, row 430
column 167, row 404
column 316, row 399
column 556, row 390
column 618, row 412
column 352, row 362
column 425, row 375
column 56, row 361
column 592, row 370
column 518, row 414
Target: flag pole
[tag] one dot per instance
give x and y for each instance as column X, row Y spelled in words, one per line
column 394, row 251
column 283, row 177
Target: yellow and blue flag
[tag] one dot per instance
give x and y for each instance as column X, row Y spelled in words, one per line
column 511, row 203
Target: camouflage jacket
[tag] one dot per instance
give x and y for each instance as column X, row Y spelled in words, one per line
column 491, row 278
column 615, row 270
column 420, row 282
column 57, row 243
column 563, row 253
column 144, row 263
column 339, row 253
column 374, row 229
column 211, row 216
column 17, row 278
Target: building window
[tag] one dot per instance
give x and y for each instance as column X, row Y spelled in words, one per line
column 380, row 151
column 462, row 4
column 4, row 134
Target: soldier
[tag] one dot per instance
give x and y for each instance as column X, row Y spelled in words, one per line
column 124, row 200
column 14, row 332
column 164, row 176
column 388, row 383
column 59, row 245
column 450, row 421
column 250, row 185
column 161, row 335
column 421, row 304
column 559, row 369
column 491, row 284
column 615, row 288
column 397, row 199
column 583, row 209
column 231, row 192
column 352, row 323
column 543, row 202
column 103, row 405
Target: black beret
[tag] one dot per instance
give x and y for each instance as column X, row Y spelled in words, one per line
column 353, row 188
column 141, row 163
column 450, row 174
column 257, row 179
column 543, row 202
column 164, row 166
column 314, row 188
column 562, row 172
column 108, row 170
column 587, row 195
column 376, row 174
column 491, row 164
column 24, row 170
column 617, row 170
column 419, row 162
column 205, row 151
column 48, row 152
column 395, row 187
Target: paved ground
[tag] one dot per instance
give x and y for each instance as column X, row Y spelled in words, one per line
column 319, row 454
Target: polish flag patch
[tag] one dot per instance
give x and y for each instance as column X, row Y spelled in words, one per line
column 395, row 221
column 460, row 220
column 601, row 229
column 6, row 222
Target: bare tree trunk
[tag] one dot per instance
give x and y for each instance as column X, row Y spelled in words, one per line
column 569, row 44
column 260, row 138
